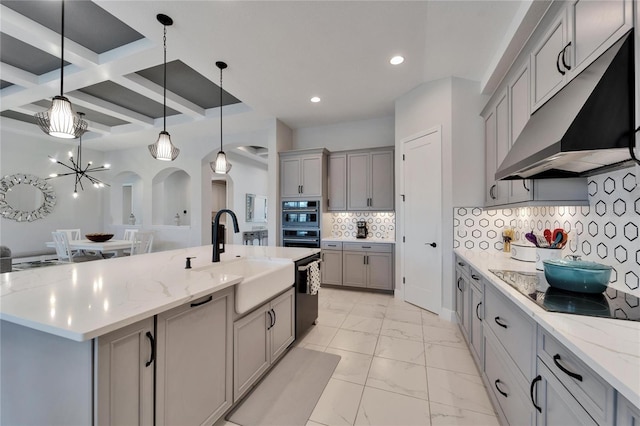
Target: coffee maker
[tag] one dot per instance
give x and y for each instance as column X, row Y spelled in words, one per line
column 362, row 229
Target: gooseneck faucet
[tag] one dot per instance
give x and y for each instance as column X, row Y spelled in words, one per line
column 216, row 222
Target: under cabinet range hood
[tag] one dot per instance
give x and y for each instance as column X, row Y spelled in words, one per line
column 586, row 126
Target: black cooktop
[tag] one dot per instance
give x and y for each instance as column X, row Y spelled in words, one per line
column 610, row 304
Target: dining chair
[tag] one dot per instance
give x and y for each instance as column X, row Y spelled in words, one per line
column 142, row 242
column 63, row 250
column 72, row 234
column 128, row 234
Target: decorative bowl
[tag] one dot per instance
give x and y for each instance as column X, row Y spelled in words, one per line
column 99, row 237
column 579, row 276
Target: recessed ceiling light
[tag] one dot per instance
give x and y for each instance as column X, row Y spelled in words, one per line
column 315, row 99
column 396, row 60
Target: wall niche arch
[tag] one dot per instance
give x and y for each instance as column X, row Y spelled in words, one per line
column 127, row 192
column 171, row 198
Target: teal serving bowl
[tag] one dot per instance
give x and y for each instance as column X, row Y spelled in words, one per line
column 579, row 276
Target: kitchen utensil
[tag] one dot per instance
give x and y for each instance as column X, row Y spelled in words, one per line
column 548, row 236
column 557, row 239
column 542, row 242
column 531, row 238
column 98, row 237
column 579, row 276
column 565, row 236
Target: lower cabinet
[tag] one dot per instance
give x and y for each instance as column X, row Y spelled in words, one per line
column 331, row 266
column 260, row 338
column 194, row 361
column 469, row 310
column 462, row 302
column 554, row 403
column 368, row 265
column 626, row 412
column 476, row 315
column 125, row 375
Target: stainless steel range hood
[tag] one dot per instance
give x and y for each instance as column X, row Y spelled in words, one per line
column 587, row 125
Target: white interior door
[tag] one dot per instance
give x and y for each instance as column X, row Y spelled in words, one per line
column 422, row 217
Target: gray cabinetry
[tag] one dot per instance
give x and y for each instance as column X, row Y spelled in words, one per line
column 303, row 173
column 469, row 309
column 125, row 375
column 548, row 73
column 557, row 405
column 337, row 182
column 519, row 88
column 476, row 314
column 194, row 361
column 496, row 148
column 626, row 413
column 259, row 339
column 462, row 304
column 370, row 180
column 584, row 388
column 331, row 266
column 368, row 265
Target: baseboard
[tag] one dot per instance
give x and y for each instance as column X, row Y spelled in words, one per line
column 449, row 315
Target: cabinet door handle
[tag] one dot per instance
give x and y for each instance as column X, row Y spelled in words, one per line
column 492, row 192
column 270, row 320
column 576, row 376
column 274, row 317
column 475, row 277
column 431, row 244
column 498, row 321
column 207, row 300
column 558, row 63
column 459, row 279
column 367, row 247
column 531, row 389
column 152, row 342
column 477, row 314
column 500, row 390
column 564, row 62
column 461, row 264
column 302, row 189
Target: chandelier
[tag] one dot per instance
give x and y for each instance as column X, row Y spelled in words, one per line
column 60, row 120
column 78, row 171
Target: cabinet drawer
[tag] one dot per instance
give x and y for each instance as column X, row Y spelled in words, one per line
column 513, row 329
column 377, row 247
column 331, row 245
column 476, row 279
column 593, row 393
column 506, row 385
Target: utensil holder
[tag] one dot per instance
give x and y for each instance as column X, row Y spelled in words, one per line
column 544, row 254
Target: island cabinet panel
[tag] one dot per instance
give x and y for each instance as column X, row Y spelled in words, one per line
column 125, row 375
column 260, row 339
column 194, row 361
column 45, row 379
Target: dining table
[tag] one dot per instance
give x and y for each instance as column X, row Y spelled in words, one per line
column 115, row 246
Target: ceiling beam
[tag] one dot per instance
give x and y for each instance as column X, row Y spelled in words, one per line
column 108, row 108
column 17, row 76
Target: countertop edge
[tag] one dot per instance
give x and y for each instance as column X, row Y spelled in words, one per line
column 550, row 322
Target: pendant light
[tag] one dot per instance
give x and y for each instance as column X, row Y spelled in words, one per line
column 221, row 165
column 60, row 120
column 163, row 149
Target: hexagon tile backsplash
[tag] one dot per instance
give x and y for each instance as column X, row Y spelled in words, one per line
column 607, row 230
column 380, row 225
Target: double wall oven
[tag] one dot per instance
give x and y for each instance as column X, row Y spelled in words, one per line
column 301, row 223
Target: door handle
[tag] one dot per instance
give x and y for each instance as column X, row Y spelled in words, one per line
column 270, row 320
column 492, row 192
column 274, row 317
column 531, row 389
column 477, row 314
column 302, row 189
column 564, row 63
column 459, row 279
column 576, row 376
column 558, row 63
column 499, row 322
column 431, row 244
column 152, row 342
column 500, row 390
column 207, row 300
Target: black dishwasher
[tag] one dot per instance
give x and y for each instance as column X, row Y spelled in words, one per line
column 306, row 304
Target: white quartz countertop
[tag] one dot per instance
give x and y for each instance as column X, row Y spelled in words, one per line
column 359, row 240
column 610, row 347
column 80, row 301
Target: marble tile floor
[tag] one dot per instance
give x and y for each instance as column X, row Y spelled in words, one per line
column 400, row 365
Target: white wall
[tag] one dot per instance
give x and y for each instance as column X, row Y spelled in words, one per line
column 453, row 104
column 28, row 153
column 375, row 132
column 248, row 177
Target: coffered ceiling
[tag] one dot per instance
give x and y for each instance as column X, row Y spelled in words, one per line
column 280, row 53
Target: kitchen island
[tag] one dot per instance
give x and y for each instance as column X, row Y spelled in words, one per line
column 608, row 347
column 58, row 321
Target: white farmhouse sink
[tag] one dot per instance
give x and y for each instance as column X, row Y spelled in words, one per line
column 263, row 278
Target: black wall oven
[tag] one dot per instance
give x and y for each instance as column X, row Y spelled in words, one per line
column 301, row 224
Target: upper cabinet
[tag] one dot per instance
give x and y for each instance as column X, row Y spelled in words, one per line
column 581, row 32
column 303, row 173
column 370, row 180
column 337, row 182
column 361, row 180
column 496, row 135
